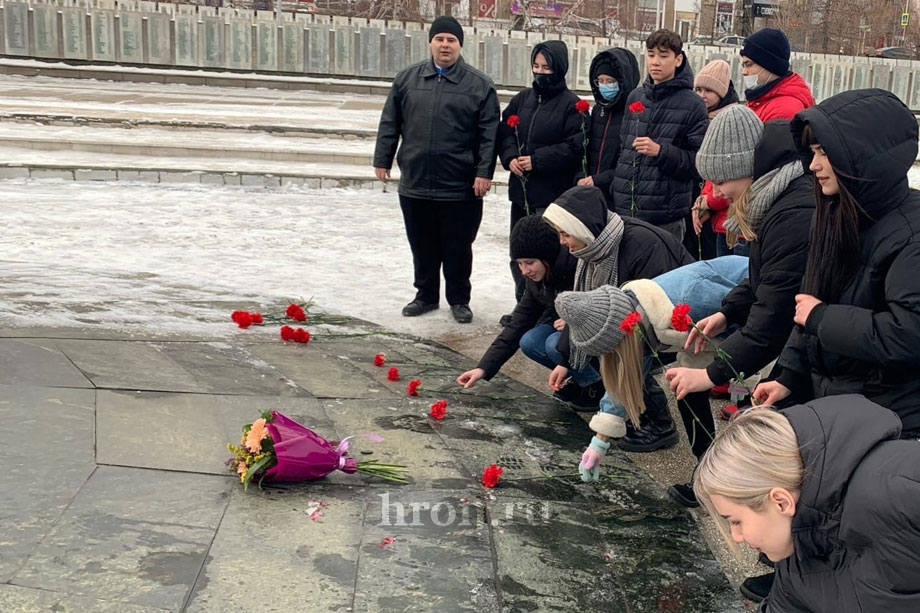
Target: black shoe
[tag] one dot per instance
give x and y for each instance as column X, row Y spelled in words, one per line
column 417, row 307
column 568, row 392
column 757, row 588
column 589, row 398
column 683, row 494
column 461, row 313
column 505, row 320
column 650, row 437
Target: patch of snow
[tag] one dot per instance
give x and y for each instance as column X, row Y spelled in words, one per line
column 180, row 258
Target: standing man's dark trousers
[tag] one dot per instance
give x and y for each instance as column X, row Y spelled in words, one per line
column 442, row 232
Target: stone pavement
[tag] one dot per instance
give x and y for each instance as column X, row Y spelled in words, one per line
column 117, row 497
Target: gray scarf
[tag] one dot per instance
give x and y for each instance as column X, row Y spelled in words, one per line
column 764, row 192
column 597, row 266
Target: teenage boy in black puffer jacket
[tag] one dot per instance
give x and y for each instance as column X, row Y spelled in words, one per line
column 655, row 172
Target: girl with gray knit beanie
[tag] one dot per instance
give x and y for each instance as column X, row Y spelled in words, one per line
column 595, row 321
column 758, row 168
column 611, row 250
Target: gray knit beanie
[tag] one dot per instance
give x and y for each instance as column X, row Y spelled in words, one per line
column 594, row 317
column 727, row 151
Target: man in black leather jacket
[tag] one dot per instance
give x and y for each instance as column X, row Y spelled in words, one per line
column 446, row 113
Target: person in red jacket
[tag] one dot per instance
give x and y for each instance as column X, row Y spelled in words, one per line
column 714, row 85
column 772, row 91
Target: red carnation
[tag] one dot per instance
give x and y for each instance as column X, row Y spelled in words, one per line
column 513, row 121
column 680, row 320
column 491, row 475
column 582, row 106
column 730, row 411
column 630, row 322
column 243, row 320
column 393, row 374
column 296, row 312
column 379, row 360
column 256, row 318
column 413, row 387
column 287, row 333
column 636, row 107
column 235, row 315
column 301, row 336
column 439, row 409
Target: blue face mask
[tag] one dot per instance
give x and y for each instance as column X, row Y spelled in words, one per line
column 609, row 92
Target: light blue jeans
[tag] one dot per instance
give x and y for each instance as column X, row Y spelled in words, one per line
column 702, row 285
column 539, row 344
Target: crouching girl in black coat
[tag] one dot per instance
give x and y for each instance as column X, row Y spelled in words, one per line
column 829, row 494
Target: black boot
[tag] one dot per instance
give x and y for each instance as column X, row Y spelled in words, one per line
column 682, row 493
column 417, row 307
column 651, row 437
column 462, row 313
column 590, row 397
column 758, row 588
column 568, row 392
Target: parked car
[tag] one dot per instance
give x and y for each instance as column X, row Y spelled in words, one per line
column 731, row 41
column 897, row 53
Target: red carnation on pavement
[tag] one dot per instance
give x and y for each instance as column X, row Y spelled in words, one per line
column 296, row 312
column 243, row 319
column 439, row 409
column 513, row 121
column 636, row 107
column 413, row 387
column 379, row 360
column 256, row 318
column 582, row 106
column 235, row 315
column 287, row 333
column 629, row 323
column 301, row 336
column 393, row 374
column 491, row 475
column 729, row 412
column 680, row 318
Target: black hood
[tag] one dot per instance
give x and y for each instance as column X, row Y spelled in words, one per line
column 777, row 148
column 588, row 204
column 557, row 56
column 730, row 97
column 683, row 79
column 834, row 434
column 870, row 137
column 626, row 72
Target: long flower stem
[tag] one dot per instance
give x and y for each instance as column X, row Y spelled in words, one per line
column 696, row 420
column 523, row 179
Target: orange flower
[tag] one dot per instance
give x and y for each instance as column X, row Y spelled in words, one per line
column 241, row 468
column 257, row 432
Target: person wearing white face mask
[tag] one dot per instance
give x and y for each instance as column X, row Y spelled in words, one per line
column 771, row 90
column 614, row 74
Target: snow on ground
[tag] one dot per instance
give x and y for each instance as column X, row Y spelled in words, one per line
column 179, row 258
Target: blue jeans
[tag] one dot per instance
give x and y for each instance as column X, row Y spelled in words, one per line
column 702, row 285
column 539, row 344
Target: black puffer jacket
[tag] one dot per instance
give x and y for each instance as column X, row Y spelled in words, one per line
column 607, row 117
column 856, row 529
column 645, row 252
column 537, row 305
column 869, row 341
column 549, row 132
column 448, row 128
column 764, row 303
column 676, row 119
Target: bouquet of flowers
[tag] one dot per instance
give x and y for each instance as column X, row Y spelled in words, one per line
column 277, row 449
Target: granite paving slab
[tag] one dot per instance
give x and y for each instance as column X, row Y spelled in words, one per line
column 38, row 362
column 184, row 432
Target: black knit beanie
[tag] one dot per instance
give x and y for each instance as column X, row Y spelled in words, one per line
column 604, row 66
column 445, row 24
column 768, row 48
column 532, row 237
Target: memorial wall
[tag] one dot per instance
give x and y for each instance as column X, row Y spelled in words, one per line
column 134, row 32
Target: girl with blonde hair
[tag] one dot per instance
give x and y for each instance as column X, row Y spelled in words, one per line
column 829, row 494
column 628, row 350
